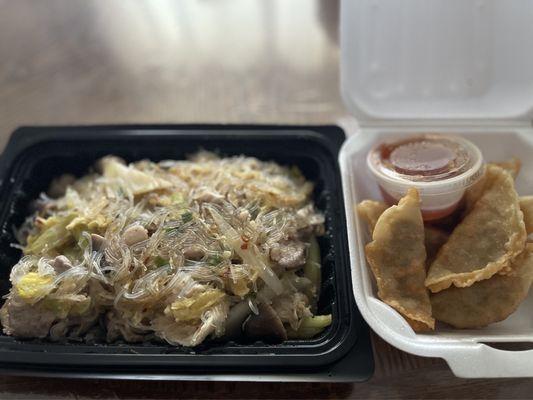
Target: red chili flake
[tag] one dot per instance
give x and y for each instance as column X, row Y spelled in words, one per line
column 244, row 246
column 245, row 239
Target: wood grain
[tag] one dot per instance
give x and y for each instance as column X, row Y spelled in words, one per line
column 241, row 61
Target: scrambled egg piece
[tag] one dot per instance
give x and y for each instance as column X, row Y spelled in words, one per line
column 33, row 286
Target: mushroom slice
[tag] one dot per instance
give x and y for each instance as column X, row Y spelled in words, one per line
column 266, row 325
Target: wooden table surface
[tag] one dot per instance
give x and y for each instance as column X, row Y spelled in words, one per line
column 212, row 61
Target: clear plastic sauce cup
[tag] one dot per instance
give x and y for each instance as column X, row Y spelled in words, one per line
column 440, row 167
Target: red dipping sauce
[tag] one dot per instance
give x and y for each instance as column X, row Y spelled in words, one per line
column 426, row 158
column 440, row 167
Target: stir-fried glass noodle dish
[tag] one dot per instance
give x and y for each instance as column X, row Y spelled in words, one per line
column 180, row 251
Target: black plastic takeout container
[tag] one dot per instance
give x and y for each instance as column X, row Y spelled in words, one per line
column 35, row 155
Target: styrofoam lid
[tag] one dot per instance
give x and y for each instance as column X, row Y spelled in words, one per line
column 438, row 59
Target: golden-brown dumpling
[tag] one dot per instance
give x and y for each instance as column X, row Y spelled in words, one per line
column 475, row 192
column 434, row 237
column 397, row 256
column 487, row 301
column 487, row 239
column 370, row 211
column 512, row 166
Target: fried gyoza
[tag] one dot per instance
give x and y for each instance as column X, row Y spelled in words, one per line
column 434, row 237
column 487, row 239
column 486, row 301
column 397, row 258
column 512, row 166
column 370, row 211
column 526, row 205
column 475, row 192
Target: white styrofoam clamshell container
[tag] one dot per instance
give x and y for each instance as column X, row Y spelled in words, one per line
column 439, row 66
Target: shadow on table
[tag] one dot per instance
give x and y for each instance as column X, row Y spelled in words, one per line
column 17, row 387
column 416, row 384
